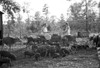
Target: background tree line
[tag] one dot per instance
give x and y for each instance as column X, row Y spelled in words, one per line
column 35, row 24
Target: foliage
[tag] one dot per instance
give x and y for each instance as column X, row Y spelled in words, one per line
column 9, row 6
column 79, row 12
column 35, row 25
column 99, row 5
column 49, row 28
column 45, row 9
column 10, row 26
column 77, row 19
column 62, row 23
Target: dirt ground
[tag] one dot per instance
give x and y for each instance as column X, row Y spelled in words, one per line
column 81, row 59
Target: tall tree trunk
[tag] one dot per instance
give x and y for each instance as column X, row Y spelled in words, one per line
column 99, row 14
column 20, row 32
column 8, row 30
column 86, row 16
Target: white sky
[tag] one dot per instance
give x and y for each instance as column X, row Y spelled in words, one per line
column 56, row 7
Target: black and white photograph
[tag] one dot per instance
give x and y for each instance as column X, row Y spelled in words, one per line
column 49, row 33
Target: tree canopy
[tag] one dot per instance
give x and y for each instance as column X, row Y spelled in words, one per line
column 10, row 7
